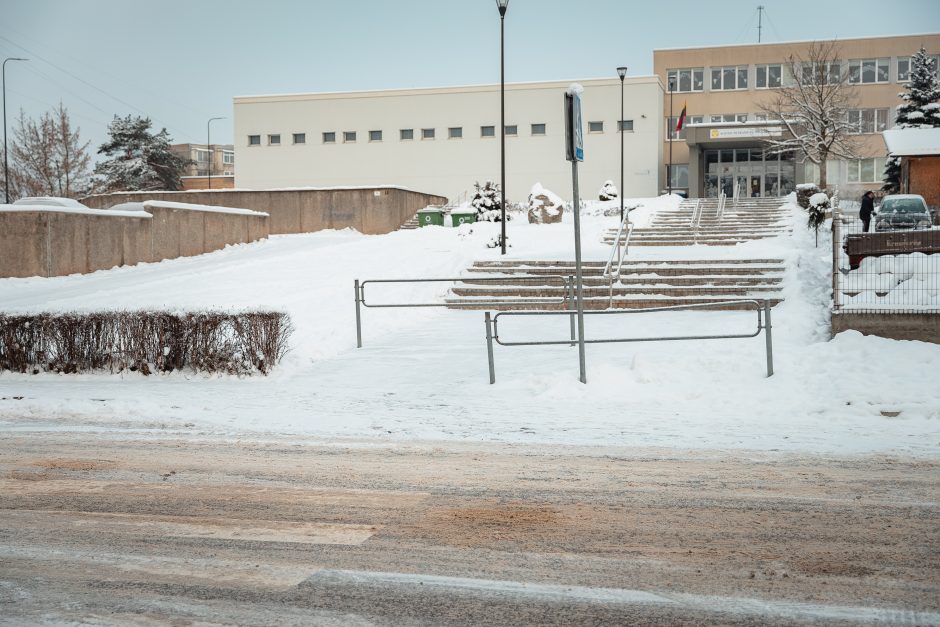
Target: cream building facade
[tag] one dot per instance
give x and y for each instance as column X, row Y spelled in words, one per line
column 443, row 140
column 724, row 87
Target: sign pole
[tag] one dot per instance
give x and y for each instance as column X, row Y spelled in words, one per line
column 575, row 153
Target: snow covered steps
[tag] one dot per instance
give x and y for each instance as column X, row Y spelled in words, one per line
column 643, row 284
column 697, row 222
column 410, row 224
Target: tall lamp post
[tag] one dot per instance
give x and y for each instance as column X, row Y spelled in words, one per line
column 209, row 146
column 672, row 133
column 6, row 168
column 502, row 5
column 622, row 73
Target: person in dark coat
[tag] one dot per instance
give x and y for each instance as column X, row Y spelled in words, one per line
column 867, row 209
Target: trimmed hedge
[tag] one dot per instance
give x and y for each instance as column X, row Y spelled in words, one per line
column 143, row 341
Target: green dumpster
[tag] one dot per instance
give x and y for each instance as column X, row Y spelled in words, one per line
column 463, row 216
column 431, row 216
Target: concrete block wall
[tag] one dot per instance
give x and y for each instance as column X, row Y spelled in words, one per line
column 373, row 210
column 53, row 243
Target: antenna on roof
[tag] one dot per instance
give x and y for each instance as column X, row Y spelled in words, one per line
column 760, row 21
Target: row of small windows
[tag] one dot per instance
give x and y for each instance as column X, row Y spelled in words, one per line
column 861, row 121
column 408, row 134
column 769, row 75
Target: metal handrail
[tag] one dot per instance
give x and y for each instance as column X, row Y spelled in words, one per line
column 359, row 288
column 695, row 212
column 763, row 323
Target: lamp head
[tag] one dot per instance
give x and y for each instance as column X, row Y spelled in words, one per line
column 622, row 72
column 502, row 5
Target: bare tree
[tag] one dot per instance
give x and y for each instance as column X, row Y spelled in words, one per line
column 48, row 158
column 813, row 108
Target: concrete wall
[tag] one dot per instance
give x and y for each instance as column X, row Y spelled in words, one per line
column 373, row 210
column 49, row 243
column 448, row 165
column 924, row 327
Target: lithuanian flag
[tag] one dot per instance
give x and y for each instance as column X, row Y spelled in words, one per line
column 681, row 117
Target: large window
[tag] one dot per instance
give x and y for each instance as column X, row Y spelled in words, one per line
column 202, row 156
column 228, row 158
column 730, row 77
column 904, row 67
column 769, row 76
column 868, row 120
column 671, row 123
column 819, row 73
column 686, row 79
column 679, row 175
column 865, row 170
column 865, row 71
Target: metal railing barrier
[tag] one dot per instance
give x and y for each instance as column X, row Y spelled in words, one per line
column 360, row 286
column 761, row 307
column 610, row 274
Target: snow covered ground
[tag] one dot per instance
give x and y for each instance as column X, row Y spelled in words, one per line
column 422, row 372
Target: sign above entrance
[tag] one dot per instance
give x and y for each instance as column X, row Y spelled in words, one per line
column 745, row 132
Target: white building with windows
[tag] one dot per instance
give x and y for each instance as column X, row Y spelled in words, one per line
column 443, row 140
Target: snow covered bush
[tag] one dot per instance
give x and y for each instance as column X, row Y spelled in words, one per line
column 608, row 191
column 545, row 207
column 487, row 201
column 138, row 159
column 143, row 341
column 803, row 193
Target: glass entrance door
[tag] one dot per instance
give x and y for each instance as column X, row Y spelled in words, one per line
column 756, row 174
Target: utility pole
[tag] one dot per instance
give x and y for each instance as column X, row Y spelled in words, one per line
column 760, row 20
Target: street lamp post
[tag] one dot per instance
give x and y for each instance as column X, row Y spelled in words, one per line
column 6, row 168
column 209, row 147
column 502, row 5
column 622, row 73
column 672, row 133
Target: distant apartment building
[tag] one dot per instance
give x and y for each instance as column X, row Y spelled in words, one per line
column 443, row 140
column 723, row 88
column 220, row 161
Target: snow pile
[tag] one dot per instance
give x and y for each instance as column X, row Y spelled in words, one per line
column 422, row 372
column 207, row 208
column 544, row 206
column 80, row 210
column 908, row 281
column 608, row 191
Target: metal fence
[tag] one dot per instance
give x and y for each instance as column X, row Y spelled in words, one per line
column 761, row 307
column 885, row 271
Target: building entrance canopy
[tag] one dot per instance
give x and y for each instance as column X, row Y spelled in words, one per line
column 721, row 155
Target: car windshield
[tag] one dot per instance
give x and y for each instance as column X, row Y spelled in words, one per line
column 903, row 205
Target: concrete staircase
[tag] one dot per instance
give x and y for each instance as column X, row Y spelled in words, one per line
column 643, row 284
column 410, row 224
column 750, row 219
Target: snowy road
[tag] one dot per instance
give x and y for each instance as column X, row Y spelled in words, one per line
column 131, row 528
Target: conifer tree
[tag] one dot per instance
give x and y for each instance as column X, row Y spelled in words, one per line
column 138, row 158
column 920, row 109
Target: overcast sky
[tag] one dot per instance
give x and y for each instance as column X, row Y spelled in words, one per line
column 182, row 61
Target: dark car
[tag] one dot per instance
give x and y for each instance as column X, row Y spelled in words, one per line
column 904, row 212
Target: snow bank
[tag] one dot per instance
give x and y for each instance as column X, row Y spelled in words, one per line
column 193, row 207
column 75, row 210
column 894, row 281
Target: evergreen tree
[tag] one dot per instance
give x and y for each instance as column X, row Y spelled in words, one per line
column 920, row 109
column 138, row 158
column 487, row 201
